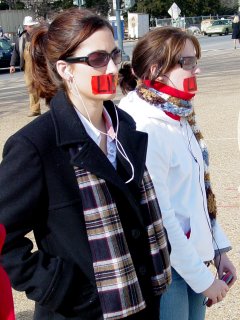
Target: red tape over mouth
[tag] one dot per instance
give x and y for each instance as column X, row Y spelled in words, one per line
column 104, row 84
column 190, row 84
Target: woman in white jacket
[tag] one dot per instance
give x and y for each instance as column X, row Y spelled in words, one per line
column 161, row 83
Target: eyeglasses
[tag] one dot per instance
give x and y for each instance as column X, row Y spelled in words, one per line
column 188, row 63
column 98, row 59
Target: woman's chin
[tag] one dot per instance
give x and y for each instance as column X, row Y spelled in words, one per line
column 108, row 96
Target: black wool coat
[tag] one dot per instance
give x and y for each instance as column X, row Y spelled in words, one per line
column 39, row 193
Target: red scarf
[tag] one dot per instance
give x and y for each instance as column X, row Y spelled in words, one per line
column 6, row 298
column 173, row 92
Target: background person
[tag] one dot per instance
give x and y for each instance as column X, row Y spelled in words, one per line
column 162, row 84
column 236, row 30
column 238, row 133
column 76, row 177
column 6, row 305
column 21, row 54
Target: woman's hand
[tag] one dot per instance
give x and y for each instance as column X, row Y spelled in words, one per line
column 224, row 265
column 216, row 292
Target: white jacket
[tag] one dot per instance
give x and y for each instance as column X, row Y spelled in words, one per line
column 175, row 163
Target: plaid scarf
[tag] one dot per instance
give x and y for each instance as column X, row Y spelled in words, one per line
column 117, row 283
column 183, row 108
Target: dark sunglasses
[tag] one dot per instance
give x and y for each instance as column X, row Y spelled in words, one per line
column 188, row 63
column 98, row 59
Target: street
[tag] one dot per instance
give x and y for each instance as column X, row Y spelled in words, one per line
column 207, row 43
column 217, row 107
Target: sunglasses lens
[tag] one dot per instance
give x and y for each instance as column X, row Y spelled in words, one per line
column 101, row 59
column 188, row 63
column 117, row 56
column 98, row 59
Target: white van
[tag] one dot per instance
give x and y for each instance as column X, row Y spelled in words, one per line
column 205, row 24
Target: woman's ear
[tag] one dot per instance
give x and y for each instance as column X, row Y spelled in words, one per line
column 154, row 70
column 160, row 79
column 63, row 70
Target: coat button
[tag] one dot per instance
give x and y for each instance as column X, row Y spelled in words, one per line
column 136, row 233
column 142, row 270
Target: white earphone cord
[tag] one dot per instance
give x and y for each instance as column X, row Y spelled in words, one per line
column 120, row 147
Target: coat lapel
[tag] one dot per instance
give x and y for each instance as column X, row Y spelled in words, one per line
column 84, row 152
column 89, row 156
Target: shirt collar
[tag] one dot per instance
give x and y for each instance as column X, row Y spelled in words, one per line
column 92, row 131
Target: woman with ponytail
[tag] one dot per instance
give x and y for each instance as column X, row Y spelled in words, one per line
column 76, row 178
column 160, row 85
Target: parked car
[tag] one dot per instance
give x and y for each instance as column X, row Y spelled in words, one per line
column 222, row 26
column 205, row 24
column 6, row 50
column 193, row 30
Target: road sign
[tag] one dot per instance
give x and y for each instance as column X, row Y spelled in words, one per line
column 174, row 11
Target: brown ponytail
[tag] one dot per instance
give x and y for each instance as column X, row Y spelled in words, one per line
column 46, row 80
column 127, row 80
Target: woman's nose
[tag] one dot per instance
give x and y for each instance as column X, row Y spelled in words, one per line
column 196, row 70
column 112, row 67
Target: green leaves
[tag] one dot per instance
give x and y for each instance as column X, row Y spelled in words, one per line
column 189, row 8
column 99, row 6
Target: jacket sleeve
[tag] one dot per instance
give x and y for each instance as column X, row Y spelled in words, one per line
column 48, row 280
column 15, row 59
column 184, row 257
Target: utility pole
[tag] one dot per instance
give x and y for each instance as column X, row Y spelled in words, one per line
column 125, row 57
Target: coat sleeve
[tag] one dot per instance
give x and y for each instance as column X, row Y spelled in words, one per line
column 184, row 257
column 48, row 280
column 15, row 59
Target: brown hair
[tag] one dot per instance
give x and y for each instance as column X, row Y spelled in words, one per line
column 160, row 47
column 60, row 39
